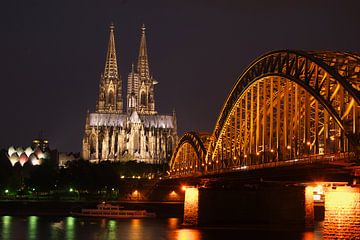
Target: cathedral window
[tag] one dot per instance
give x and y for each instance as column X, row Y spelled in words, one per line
column 111, row 98
column 143, row 99
column 92, row 143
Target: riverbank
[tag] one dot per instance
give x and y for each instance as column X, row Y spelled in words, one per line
column 64, row 208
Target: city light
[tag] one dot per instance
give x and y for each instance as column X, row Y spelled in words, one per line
column 136, row 194
column 183, row 187
column 319, row 189
column 317, row 197
column 71, row 190
column 173, row 195
column 6, row 191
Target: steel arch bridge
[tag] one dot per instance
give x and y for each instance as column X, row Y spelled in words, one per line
column 286, row 105
column 190, row 153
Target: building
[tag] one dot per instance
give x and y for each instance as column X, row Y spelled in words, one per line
column 36, row 154
column 139, row 133
column 66, row 157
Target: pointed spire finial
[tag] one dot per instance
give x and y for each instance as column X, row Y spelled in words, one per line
column 143, row 28
column 111, row 68
column 143, row 63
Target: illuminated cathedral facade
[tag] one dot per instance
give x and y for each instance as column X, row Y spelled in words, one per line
column 137, row 132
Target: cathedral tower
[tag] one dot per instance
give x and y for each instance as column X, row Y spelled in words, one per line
column 141, row 83
column 110, row 87
column 139, row 133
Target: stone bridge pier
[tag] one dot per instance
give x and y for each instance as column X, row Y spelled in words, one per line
column 276, row 205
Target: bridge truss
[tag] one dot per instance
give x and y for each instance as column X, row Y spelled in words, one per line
column 285, row 105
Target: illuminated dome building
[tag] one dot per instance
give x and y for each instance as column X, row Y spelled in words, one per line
column 139, row 133
column 35, row 154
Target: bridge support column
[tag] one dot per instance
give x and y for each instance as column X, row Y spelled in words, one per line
column 342, row 213
column 255, row 204
column 191, row 206
column 309, row 207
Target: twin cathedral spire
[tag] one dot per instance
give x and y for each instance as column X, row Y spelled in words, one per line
column 131, row 131
column 140, row 87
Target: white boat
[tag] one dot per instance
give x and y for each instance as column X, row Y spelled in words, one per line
column 106, row 210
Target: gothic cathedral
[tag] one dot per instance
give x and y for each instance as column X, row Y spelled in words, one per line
column 139, row 133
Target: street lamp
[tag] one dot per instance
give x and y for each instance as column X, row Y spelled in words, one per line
column 272, row 154
column 289, row 148
column 308, row 143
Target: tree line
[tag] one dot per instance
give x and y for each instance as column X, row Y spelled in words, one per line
column 80, row 175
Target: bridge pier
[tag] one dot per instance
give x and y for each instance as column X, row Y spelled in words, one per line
column 276, row 205
column 191, row 206
column 249, row 204
column 342, row 212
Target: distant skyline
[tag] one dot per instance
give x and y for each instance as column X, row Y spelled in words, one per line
column 53, row 53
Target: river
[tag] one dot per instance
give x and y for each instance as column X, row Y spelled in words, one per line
column 53, row 228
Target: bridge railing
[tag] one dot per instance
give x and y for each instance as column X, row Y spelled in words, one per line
column 336, row 158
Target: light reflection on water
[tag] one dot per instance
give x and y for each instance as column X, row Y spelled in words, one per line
column 112, row 229
column 34, row 227
column 70, row 228
column 187, row 234
column 6, row 227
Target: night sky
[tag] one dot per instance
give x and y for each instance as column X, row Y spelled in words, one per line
column 52, row 54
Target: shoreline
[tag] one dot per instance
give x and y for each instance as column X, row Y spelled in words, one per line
column 64, row 208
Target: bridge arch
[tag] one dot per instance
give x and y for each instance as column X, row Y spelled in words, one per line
column 189, row 154
column 288, row 104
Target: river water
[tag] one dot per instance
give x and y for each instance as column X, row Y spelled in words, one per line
column 52, row 228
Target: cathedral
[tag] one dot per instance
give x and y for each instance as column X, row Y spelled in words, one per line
column 137, row 132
